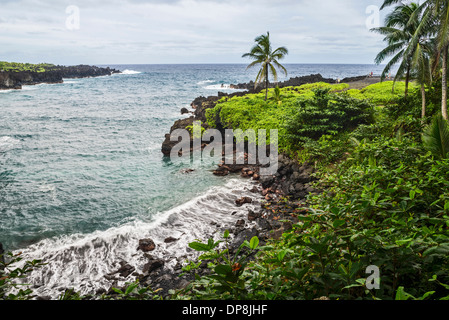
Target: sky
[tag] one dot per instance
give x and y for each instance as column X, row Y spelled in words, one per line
column 71, row 32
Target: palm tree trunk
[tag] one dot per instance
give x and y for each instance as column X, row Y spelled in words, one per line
column 444, row 84
column 423, row 94
column 407, row 81
column 266, row 85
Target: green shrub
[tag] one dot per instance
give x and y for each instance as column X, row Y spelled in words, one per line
column 229, row 277
column 326, row 114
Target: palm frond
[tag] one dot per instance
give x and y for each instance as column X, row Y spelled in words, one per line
column 388, row 3
column 389, row 51
column 273, row 72
column 436, row 137
column 279, row 66
column 280, row 53
column 396, row 59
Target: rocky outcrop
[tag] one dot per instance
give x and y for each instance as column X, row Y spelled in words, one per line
column 56, row 74
column 167, row 145
column 146, row 245
column 292, row 82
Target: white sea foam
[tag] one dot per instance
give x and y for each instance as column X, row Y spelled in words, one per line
column 32, row 87
column 220, row 87
column 204, row 82
column 24, row 88
column 130, row 72
column 82, row 261
column 71, row 81
column 8, row 143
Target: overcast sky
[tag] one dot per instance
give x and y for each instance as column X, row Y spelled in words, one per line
column 185, row 31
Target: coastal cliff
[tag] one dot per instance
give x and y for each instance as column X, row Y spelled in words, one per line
column 55, row 74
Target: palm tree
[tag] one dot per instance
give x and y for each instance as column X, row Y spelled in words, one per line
column 441, row 10
column 263, row 55
column 400, row 27
column 435, row 12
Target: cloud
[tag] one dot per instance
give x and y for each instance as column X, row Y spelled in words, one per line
column 177, row 31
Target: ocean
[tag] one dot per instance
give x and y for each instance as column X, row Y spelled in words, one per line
column 82, row 176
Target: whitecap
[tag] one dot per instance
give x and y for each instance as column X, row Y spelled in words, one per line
column 7, row 143
column 220, row 87
column 205, row 81
column 130, row 72
column 70, row 81
column 7, row 90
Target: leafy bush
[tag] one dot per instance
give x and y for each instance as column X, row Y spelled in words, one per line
column 389, row 207
column 229, row 277
column 327, row 114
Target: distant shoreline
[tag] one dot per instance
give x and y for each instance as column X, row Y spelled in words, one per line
column 15, row 80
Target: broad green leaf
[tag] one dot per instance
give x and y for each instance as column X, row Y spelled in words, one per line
column 199, row 246
column 353, row 286
column 281, row 255
column 254, row 243
column 338, row 223
column 131, row 288
column 117, row 291
column 223, row 269
column 402, row 295
column 427, row 294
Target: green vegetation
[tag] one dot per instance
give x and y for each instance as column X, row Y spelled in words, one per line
column 326, row 114
column 384, row 203
column 382, row 93
column 383, row 168
column 17, row 67
column 229, row 271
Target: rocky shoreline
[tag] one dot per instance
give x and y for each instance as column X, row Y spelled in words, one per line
column 15, row 80
column 283, row 193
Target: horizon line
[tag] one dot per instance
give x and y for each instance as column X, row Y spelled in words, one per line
column 234, row 63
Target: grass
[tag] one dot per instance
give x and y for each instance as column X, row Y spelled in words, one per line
column 18, row 67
